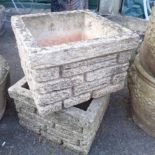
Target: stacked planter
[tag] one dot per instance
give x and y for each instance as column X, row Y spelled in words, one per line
column 4, row 68
column 66, row 64
column 74, row 127
column 4, row 81
column 142, row 82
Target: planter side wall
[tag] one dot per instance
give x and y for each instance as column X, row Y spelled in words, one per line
column 64, row 86
column 73, row 127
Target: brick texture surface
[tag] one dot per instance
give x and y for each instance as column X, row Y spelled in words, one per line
column 73, row 127
column 58, row 74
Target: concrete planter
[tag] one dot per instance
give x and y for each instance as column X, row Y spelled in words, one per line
column 62, row 5
column 74, row 127
column 68, row 57
column 109, row 7
column 142, row 93
column 4, row 81
column 147, row 53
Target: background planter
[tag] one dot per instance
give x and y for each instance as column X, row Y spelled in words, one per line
column 109, row 7
column 4, row 82
column 2, row 19
column 74, row 127
column 147, row 52
column 63, row 5
column 142, row 93
column 87, row 55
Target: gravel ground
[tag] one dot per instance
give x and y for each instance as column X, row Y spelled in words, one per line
column 118, row 135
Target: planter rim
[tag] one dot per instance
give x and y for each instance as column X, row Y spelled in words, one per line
column 143, row 72
column 38, row 55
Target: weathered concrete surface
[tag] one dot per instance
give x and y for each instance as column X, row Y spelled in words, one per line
column 118, row 134
column 137, row 25
column 81, row 57
column 142, row 93
column 4, row 83
column 147, row 51
column 74, row 127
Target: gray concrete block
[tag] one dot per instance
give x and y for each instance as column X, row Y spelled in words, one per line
column 47, row 99
column 91, row 85
column 43, row 75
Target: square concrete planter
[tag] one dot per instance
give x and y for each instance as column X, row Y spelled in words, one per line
column 74, row 127
column 69, row 57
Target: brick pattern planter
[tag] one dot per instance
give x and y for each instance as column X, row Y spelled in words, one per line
column 142, row 94
column 74, row 127
column 4, row 83
column 147, row 54
column 86, row 58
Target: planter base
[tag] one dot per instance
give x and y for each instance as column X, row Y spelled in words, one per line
column 74, row 127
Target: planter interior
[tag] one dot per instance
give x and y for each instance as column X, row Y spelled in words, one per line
column 56, row 29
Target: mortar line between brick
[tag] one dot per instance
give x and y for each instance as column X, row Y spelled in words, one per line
column 117, row 58
column 60, row 71
column 72, row 91
column 111, row 80
column 63, row 104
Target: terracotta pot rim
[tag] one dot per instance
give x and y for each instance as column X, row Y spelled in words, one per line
column 143, row 72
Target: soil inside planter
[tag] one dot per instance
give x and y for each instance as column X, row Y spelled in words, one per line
column 83, row 106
